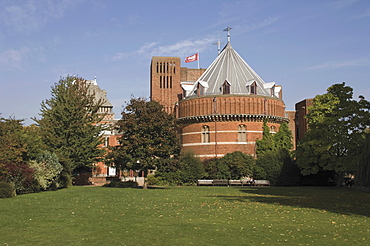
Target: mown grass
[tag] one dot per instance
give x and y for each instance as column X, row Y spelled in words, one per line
column 187, row 216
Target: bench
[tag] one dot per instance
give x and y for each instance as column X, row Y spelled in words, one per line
column 220, row 182
column 241, row 182
column 262, row 182
column 205, row 182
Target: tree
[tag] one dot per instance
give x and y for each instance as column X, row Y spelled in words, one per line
column 191, row 168
column 274, row 142
column 13, row 156
column 277, row 166
column 149, row 138
column 336, row 132
column 267, row 142
column 70, row 126
column 235, row 165
column 12, row 143
column 240, row 164
column 283, row 138
column 363, row 171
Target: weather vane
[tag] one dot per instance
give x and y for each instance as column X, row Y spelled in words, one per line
column 218, row 43
column 228, row 33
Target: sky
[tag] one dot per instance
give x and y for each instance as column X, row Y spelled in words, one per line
column 305, row 46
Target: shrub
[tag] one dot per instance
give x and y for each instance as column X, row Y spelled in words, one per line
column 121, row 184
column 7, row 190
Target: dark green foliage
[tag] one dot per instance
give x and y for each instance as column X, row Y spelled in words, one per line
column 336, row 132
column 185, row 171
column 363, row 171
column 216, row 169
column 234, row 165
column 269, row 167
column 121, row 184
column 267, row 142
column 149, row 138
column 69, row 126
column 7, row 190
column 273, row 142
column 191, row 168
column 283, row 138
column 12, row 141
column 278, row 167
column 239, row 164
column 15, row 146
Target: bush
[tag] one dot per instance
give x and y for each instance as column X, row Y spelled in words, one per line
column 154, row 180
column 7, row 190
column 121, row 184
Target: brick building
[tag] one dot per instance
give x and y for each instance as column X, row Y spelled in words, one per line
column 221, row 108
column 301, row 126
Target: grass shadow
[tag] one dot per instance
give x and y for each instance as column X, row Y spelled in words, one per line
column 342, row 201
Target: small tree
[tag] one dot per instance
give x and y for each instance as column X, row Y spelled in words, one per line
column 267, row 142
column 232, row 166
column 191, row 169
column 149, row 138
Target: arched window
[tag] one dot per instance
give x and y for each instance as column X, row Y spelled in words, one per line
column 226, row 88
column 205, row 134
column 242, row 133
column 273, row 129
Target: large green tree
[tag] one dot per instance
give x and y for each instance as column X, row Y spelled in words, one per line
column 336, row 132
column 69, row 126
column 149, row 137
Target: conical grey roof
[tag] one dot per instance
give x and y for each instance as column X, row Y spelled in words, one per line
column 99, row 93
column 231, row 68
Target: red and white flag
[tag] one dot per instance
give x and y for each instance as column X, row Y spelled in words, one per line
column 192, row 58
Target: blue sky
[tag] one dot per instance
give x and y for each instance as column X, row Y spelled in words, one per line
column 305, row 46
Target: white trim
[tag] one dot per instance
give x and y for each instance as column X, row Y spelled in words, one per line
column 218, row 143
column 192, row 133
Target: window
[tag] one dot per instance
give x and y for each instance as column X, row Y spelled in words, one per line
column 273, row 129
column 205, row 134
column 200, row 90
column 253, row 88
column 226, row 88
column 242, row 133
column 106, row 142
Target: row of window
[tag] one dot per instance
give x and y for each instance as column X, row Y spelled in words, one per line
column 242, row 133
column 166, row 67
column 226, row 89
column 165, row 82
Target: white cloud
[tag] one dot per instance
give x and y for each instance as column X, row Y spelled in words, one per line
column 12, row 59
column 343, row 3
column 181, row 49
column 28, row 16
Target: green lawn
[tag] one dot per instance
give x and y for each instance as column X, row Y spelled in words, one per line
column 187, row 216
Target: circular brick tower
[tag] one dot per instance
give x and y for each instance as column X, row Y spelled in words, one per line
column 224, row 110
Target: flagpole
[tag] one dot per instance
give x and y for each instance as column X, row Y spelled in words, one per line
column 198, row 59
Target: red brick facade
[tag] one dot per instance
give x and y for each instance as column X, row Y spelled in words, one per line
column 213, row 126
